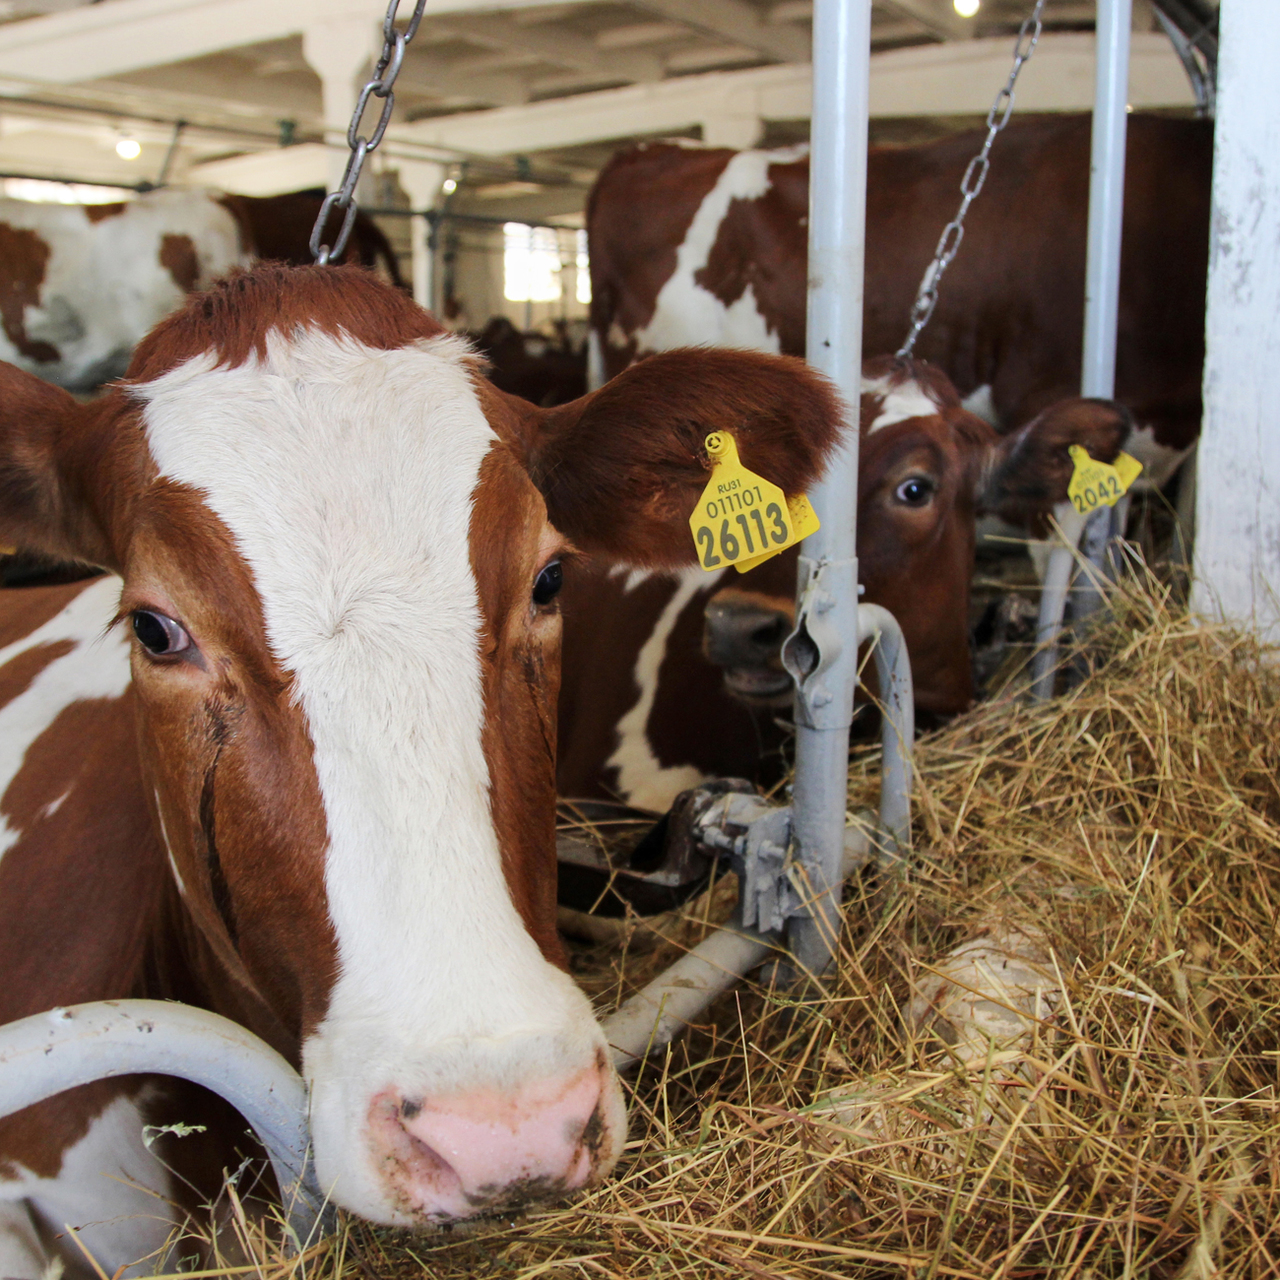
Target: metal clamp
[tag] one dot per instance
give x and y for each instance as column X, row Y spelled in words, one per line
column 816, row 644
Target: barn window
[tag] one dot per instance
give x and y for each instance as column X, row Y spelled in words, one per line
column 531, row 263
column 583, row 265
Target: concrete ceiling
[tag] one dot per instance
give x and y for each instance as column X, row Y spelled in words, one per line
column 77, row 76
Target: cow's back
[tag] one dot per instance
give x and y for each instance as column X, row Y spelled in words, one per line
column 1010, row 314
column 80, row 284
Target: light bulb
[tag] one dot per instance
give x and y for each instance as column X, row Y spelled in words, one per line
column 450, row 185
column 966, row 8
column 128, row 148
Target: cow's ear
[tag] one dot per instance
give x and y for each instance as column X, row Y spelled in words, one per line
column 1030, row 468
column 49, row 460
column 622, row 468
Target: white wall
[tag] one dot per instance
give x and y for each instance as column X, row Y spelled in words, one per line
column 1237, row 556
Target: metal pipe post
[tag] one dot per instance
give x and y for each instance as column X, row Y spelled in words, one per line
column 827, row 616
column 1101, row 293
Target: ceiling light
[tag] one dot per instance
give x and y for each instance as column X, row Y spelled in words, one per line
column 449, row 186
column 128, row 148
column 966, row 8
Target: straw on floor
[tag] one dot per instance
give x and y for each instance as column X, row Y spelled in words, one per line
column 1096, row 883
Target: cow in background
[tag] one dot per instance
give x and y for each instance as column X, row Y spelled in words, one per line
column 669, row 679
column 693, row 244
column 81, row 285
column 544, row 370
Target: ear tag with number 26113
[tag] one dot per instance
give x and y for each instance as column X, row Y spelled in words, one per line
column 742, row 519
column 1099, row 484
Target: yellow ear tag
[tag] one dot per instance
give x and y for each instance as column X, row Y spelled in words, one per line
column 741, row 518
column 1099, row 484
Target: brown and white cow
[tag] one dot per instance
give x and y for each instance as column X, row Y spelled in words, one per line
column 307, row 779
column 81, row 285
column 655, row 697
column 706, row 245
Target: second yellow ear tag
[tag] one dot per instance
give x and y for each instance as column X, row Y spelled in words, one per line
column 1099, row 484
column 741, row 518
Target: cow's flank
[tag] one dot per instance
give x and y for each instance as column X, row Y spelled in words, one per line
column 706, row 245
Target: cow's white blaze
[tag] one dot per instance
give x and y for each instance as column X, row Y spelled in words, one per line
column 97, row 667
column 346, row 476
column 685, row 314
column 901, row 400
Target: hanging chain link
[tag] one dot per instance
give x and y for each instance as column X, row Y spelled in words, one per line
column 380, row 86
column 971, row 184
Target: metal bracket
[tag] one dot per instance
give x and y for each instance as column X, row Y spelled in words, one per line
column 816, row 644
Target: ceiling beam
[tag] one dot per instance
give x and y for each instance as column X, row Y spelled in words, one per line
column 955, row 78
column 99, row 40
column 938, row 17
column 736, row 21
column 560, row 48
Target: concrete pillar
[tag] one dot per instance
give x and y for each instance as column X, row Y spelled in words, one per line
column 1237, row 552
column 341, row 51
column 421, row 181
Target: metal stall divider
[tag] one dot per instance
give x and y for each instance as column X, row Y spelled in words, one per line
column 1102, row 301
column 822, row 653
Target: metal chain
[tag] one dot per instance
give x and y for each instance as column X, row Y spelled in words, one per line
column 380, row 86
column 971, row 184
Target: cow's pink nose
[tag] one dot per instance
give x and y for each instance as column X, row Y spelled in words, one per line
column 469, row 1153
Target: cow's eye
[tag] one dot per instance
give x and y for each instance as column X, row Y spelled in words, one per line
column 159, row 635
column 914, row 492
column 548, row 583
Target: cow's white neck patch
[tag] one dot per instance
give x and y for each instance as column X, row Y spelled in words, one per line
column 685, row 314
column 902, row 400
column 111, row 1189
column 642, row 780
column 346, row 476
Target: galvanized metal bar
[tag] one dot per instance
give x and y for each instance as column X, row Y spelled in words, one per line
column 1101, row 294
column 898, row 730
column 828, row 577
column 51, row 1052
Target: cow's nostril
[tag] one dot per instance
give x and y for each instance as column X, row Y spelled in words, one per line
column 769, row 634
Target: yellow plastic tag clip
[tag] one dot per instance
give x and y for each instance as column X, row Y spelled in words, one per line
column 742, row 519
column 1099, row 484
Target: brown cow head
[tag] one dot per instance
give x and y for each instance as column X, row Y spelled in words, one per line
column 340, row 549
column 927, row 469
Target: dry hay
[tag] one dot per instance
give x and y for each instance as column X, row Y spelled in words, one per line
column 1121, row 844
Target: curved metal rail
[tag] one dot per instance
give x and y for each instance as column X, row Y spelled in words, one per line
column 50, row 1052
